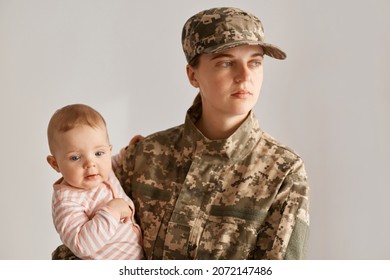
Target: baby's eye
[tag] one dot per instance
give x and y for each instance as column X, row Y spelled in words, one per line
column 74, row 158
column 99, row 153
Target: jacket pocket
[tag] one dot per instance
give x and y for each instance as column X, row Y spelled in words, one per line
column 230, row 233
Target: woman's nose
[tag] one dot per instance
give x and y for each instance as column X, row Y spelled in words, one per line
column 242, row 73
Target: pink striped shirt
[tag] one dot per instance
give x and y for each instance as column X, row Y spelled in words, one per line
column 90, row 228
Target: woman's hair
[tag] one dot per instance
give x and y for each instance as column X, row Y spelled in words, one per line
column 71, row 116
column 195, row 61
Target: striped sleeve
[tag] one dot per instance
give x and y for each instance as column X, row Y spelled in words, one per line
column 84, row 235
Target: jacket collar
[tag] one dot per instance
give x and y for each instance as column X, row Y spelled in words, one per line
column 236, row 147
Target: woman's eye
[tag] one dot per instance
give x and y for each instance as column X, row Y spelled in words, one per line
column 227, row 63
column 74, row 158
column 257, row 63
column 224, row 63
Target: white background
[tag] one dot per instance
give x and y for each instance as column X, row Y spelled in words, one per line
column 201, row 269
column 329, row 101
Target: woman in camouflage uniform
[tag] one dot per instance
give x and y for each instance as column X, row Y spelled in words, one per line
column 218, row 186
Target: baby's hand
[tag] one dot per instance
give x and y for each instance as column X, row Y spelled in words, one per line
column 122, row 208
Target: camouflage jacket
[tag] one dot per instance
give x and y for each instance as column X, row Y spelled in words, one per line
column 245, row 197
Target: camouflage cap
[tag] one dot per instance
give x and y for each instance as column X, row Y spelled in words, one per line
column 218, row 29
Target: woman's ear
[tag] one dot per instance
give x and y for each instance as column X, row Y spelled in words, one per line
column 53, row 162
column 192, row 76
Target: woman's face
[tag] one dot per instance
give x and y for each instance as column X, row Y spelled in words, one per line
column 229, row 81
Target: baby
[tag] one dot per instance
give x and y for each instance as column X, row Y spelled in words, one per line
column 91, row 212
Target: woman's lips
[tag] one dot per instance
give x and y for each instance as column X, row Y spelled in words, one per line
column 242, row 94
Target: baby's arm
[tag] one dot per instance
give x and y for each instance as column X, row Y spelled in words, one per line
column 86, row 235
column 122, row 207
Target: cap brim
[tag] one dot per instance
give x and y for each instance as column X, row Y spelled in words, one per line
column 269, row 49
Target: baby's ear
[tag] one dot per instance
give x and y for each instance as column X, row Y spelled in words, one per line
column 53, row 162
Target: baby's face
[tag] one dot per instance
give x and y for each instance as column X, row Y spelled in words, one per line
column 83, row 156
